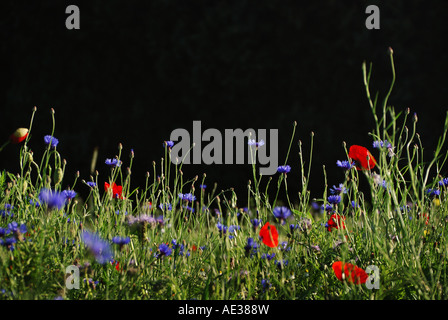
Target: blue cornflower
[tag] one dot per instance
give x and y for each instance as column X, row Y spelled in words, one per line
column 293, row 227
column 166, row 206
column 53, row 199
column 187, row 196
column 117, row 212
column 443, row 182
column 282, row 213
column 222, row 228
column 8, row 242
column 121, row 241
column 334, row 199
column 7, row 211
column 91, row 184
column 268, row 256
column 100, row 248
column 14, row 228
column 354, row 204
column 284, row 246
column 164, row 250
column 113, row 162
column 382, row 144
column 233, row 228
column 433, row 192
column 252, row 142
column 346, row 165
column 282, row 263
column 50, row 140
column 265, row 284
column 338, row 190
column 168, row 144
column 188, row 208
column 2, row 232
column 327, row 207
column 69, row 194
column 251, row 246
column 255, row 223
column 284, row 169
column 202, row 186
column 35, row 203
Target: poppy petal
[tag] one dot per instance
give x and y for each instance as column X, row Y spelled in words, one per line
column 269, row 235
column 337, row 268
column 360, row 154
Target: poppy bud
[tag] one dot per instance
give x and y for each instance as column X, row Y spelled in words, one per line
column 58, row 175
column 19, row 135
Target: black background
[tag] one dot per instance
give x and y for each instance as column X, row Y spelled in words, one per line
column 137, row 70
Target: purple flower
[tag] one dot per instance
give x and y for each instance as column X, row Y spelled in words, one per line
column 268, row 256
column 354, row 204
column 255, row 223
column 164, row 250
column 169, row 144
column 166, row 206
column 327, row 207
column 265, row 284
column 91, row 184
column 191, row 209
column 97, row 246
column 8, row 242
column 382, row 144
column 53, row 199
column 222, row 228
column 433, row 192
column 338, row 190
column 69, row 194
column 282, row 213
column 281, row 264
column 346, row 165
column 203, row 186
column 284, row 169
column 187, row 196
column 14, row 228
column 251, row 246
column 252, row 142
column 113, row 162
column 443, row 182
column 121, row 241
column 50, row 140
column 334, row 199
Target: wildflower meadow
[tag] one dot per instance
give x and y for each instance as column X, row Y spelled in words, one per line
column 182, row 238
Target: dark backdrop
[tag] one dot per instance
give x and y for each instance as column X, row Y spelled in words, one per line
column 136, row 70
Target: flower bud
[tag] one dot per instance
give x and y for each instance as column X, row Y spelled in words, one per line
column 19, row 135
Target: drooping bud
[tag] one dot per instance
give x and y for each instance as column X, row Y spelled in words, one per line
column 19, row 135
column 58, row 175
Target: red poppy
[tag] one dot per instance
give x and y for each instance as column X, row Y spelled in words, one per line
column 359, row 155
column 269, row 235
column 116, row 190
column 194, row 248
column 19, row 135
column 335, row 221
column 352, row 273
column 424, row 215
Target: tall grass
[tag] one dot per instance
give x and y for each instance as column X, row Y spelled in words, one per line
column 402, row 230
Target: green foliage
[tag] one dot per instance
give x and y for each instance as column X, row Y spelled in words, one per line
column 402, row 230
